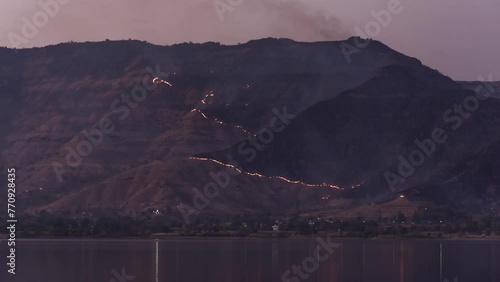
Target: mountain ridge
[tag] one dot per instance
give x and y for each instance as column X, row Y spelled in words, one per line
column 221, row 96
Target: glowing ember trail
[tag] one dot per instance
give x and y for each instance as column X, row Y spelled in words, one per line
column 354, row 186
column 205, row 102
column 157, row 80
column 201, row 113
column 263, row 176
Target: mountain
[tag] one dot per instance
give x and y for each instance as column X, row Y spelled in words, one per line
column 309, row 131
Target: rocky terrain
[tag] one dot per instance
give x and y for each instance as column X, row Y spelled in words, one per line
column 272, row 126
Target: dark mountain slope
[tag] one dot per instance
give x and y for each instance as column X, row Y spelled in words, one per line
column 353, row 121
column 353, row 139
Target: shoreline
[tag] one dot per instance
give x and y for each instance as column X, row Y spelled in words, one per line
column 214, row 238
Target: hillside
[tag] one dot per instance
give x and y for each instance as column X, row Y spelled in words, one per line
column 348, row 124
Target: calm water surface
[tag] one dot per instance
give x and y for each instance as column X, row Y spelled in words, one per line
column 252, row 260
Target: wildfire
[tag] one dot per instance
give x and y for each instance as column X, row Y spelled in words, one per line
column 157, row 80
column 263, row 176
column 202, row 114
column 208, row 95
column 216, row 120
column 243, row 129
column 255, row 174
column 353, row 186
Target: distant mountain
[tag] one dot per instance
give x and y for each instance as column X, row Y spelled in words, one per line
column 334, row 129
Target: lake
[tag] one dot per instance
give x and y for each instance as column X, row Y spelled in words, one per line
column 253, row 260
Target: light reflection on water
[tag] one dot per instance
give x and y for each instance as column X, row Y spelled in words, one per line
column 238, row 260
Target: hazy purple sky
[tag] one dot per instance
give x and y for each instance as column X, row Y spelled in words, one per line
column 460, row 38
